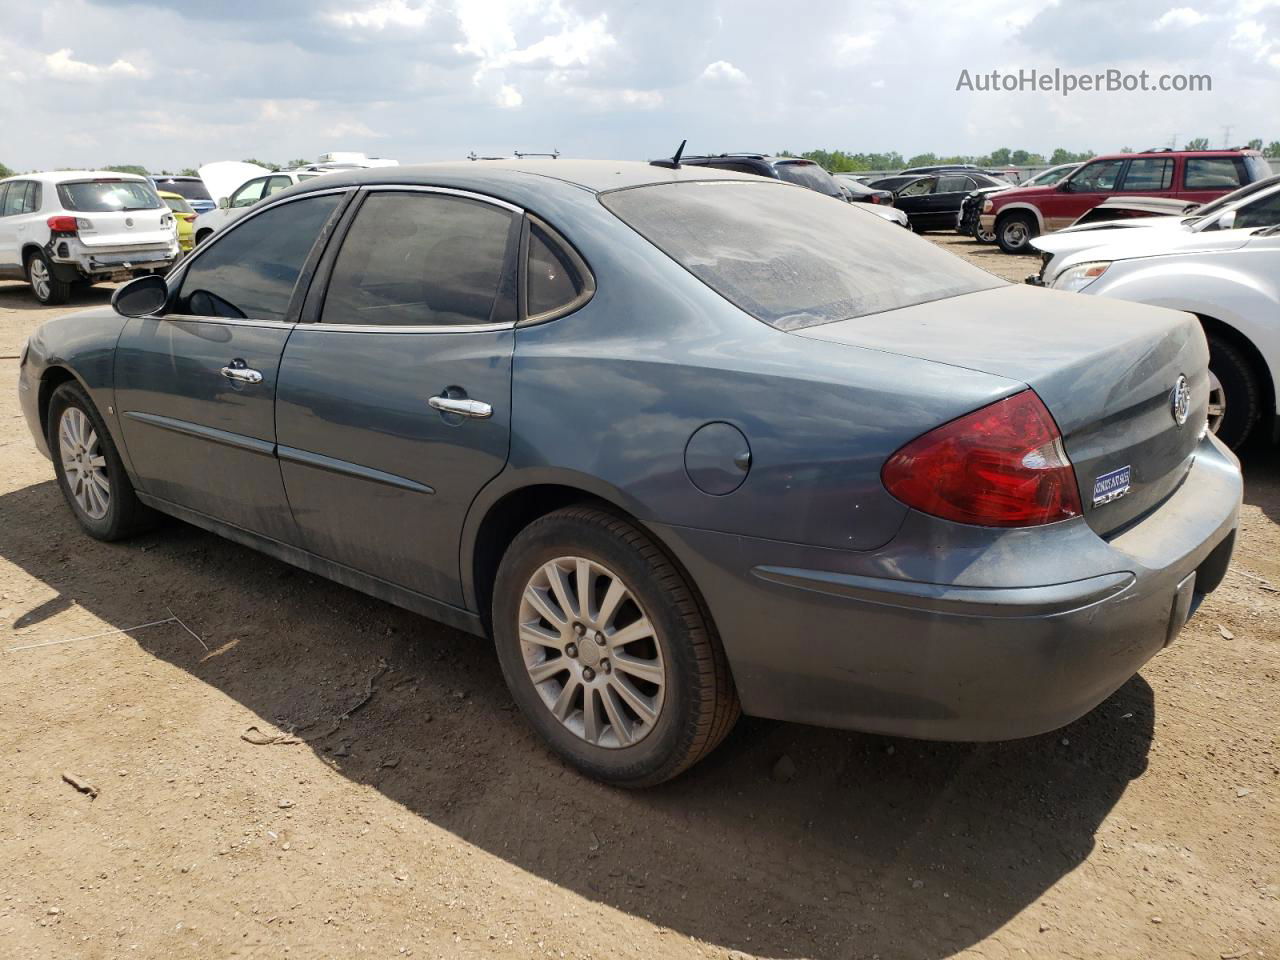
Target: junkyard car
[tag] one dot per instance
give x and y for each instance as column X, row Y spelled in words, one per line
column 73, row 227
column 245, row 196
column 1191, row 176
column 184, row 219
column 1226, row 276
column 682, row 441
column 971, row 209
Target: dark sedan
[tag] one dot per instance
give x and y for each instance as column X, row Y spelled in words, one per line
column 682, row 442
column 933, row 202
column 859, row 192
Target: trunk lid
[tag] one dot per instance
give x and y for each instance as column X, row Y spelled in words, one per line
column 1106, row 369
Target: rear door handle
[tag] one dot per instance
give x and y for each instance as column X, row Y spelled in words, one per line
column 476, row 409
column 240, row 372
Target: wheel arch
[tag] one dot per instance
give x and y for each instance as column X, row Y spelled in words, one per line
column 50, row 380
column 1030, row 208
column 28, row 249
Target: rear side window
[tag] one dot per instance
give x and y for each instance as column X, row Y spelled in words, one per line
column 276, row 184
column 1149, row 173
column 107, row 196
column 557, row 280
column 420, row 260
column 792, row 258
column 953, row 184
column 250, row 271
column 17, row 199
column 1213, row 173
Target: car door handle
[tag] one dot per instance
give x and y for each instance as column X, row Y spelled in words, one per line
column 476, row 409
column 240, row 372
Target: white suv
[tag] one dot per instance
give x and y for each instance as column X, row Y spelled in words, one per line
column 80, row 226
column 245, row 196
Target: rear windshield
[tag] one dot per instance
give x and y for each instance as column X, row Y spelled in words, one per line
column 191, row 189
column 808, row 175
column 177, row 204
column 104, row 196
column 793, row 258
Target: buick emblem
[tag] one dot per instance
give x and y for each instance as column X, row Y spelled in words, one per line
column 1180, row 401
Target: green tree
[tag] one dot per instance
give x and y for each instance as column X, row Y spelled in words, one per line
column 188, row 172
column 1254, row 144
column 1127, row 150
column 293, row 164
column 263, row 163
column 923, row 160
column 1273, row 149
column 1000, row 158
column 1199, row 143
column 5, row 171
column 128, row 168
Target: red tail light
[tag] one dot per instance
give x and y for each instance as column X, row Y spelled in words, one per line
column 1001, row 466
column 62, row 224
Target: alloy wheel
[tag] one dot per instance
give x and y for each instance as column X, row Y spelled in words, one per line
column 1217, row 403
column 84, row 464
column 592, row 653
column 39, row 273
column 1015, row 233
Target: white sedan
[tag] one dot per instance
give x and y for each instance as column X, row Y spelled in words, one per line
column 1227, row 278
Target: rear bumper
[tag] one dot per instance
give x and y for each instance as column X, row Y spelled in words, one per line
column 815, row 636
column 90, row 262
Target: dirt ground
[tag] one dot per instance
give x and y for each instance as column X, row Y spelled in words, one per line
column 419, row 817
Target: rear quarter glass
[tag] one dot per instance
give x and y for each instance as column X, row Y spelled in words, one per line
column 792, row 257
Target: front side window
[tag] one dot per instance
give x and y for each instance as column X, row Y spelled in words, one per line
column 1098, row 177
column 1263, row 212
column 420, row 259
column 1212, row 173
column 249, row 194
column 920, row 188
column 250, row 271
column 792, row 258
column 108, row 196
column 1149, row 173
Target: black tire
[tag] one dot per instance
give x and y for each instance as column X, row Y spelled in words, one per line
column 983, row 237
column 700, row 704
column 1015, row 231
column 1241, row 391
column 125, row 514
column 55, row 291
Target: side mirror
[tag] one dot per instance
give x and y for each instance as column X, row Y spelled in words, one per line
column 1227, row 221
column 141, row 297
column 1064, row 186
column 223, row 203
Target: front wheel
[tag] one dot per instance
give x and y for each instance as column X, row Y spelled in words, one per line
column 89, row 470
column 984, row 236
column 1235, row 398
column 607, row 651
column 1015, row 232
column 48, row 289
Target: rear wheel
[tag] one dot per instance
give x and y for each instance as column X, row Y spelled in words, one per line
column 89, row 470
column 607, row 651
column 1015, row 231
column 1235, row 396
column 47, row 287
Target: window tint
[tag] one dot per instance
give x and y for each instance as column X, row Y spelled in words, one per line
column 249, row 194
column 249, row 272
column 1097, row 177
column 734, row 167
column 1212, row 173
column 953, row 184
column 554, row 276
column 1149, row 173
column 419, row 260
column 792, row 258
column 14, row 201
column 191, row 189
column 1263, row 212
column 276, row 184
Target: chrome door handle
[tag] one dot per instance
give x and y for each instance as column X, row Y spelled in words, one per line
column 240, row 371
column 476, row 409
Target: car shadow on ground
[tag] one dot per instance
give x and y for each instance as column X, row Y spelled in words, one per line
column 18, row 296
column 870, row 846
column 1260, row 460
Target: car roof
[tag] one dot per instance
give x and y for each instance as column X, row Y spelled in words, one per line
column 1164, row 152
column 596, row 176
column 63, row 176
column 172, row 176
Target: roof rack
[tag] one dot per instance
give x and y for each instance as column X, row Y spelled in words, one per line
column 554, row 154
column 475, row 156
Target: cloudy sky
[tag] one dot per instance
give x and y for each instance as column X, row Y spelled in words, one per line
column 169, row 85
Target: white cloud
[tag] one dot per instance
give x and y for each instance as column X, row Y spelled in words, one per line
column 61, row 66
column 508, row 97
column 1180, row 18
column 386, row 13
column 722, row 71
column 857, row 46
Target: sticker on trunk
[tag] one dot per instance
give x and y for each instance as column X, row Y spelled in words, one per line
column 1111, row 486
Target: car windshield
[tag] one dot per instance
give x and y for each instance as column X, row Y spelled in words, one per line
column 105, row 196
column 792, row 258
column 191, row 189
column 1049, row 177
column 809, row 175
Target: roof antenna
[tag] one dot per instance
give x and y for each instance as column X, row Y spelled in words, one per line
column 674, row 162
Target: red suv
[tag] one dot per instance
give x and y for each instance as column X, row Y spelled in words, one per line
column 1016, row 216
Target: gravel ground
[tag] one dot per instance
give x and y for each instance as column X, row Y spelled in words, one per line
column 418, row 816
